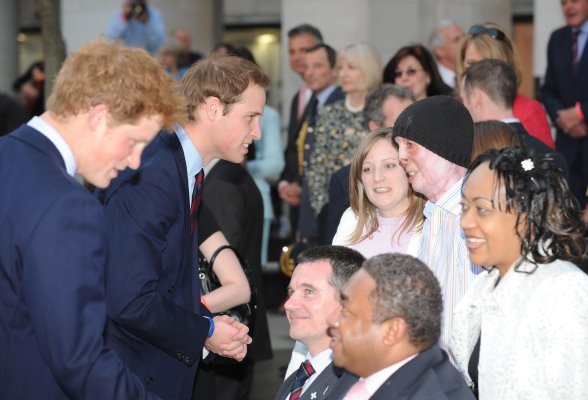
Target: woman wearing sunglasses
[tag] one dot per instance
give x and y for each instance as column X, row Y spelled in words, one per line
column 414, row 68
column 521, row 330
column 488, row 41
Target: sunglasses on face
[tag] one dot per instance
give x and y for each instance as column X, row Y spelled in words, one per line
column 409, row 72
column 494, row 33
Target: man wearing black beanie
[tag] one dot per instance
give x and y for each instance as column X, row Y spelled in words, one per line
column 435, row 136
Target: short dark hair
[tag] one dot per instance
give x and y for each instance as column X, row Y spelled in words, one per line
column 408, row 289
column 306, row 29
column 495, row 78
column 538, row 193
column 344, row 262
column 331, row 52
column 377, row 97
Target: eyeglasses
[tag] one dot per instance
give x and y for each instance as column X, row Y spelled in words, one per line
column 494, row 33
column 409, row 72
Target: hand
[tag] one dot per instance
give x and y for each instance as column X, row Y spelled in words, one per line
column 567, row 119
column 579, row 131
column 290, row 193
column 230, row 338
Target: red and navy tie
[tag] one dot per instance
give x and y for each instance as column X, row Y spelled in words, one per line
column 303, row 373
column 196, row 194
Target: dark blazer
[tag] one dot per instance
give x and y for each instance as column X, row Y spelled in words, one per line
column 232, row 197
column 52, row 299
column 320, row 388
column 153, row 300
column 533, row 144
column 290, row 172
column 561, row 89
column 429, row 376
column 334, row 209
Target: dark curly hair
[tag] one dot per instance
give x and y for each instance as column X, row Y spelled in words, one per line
column 537, row 191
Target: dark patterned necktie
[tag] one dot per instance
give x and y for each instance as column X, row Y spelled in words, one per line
column 575, row 35
column 196, row 194
column 303, row 373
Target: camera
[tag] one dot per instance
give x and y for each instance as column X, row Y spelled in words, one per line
column 138, row 9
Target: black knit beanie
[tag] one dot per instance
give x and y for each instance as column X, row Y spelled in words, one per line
column 441, row 124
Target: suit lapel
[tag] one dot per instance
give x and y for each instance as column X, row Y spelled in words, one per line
column 285, row 387
column 322, row 386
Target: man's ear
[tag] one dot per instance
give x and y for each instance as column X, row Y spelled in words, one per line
column 98, row 117
column 213, row 108
column 394, row 330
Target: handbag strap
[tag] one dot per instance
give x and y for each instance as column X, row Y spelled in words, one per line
column 226, row 246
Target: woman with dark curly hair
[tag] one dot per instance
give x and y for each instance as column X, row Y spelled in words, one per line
column 414, row 68
column 521, row 331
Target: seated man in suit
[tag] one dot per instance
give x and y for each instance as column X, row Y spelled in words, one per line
column 314, row 292
column 488, row 91
column 386, row 333
column 107, row 103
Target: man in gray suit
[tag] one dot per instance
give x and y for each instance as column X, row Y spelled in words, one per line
column 314, row 294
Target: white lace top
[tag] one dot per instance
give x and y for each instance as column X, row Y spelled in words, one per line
column 534, row 342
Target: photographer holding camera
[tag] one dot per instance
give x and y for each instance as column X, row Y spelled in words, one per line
column 138, row 25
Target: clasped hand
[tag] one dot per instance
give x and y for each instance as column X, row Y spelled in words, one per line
column 230, row 338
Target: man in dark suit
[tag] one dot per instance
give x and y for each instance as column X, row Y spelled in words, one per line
column 386, row 333
column 314, row 293
column 565, row 91
column 300, row 38
column 233, row 199
column 489, row 88
column 53, row 248
column 382, row 106
column 156, row 321
column 320, row 76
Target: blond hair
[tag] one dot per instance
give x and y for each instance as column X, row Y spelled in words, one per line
column 497, row 49
column 368, row 60
column 127, row 80
column 364, row 209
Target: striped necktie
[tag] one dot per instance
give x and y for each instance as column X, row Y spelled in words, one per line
column 575, row 34
column 303, row 373
column 196, row 200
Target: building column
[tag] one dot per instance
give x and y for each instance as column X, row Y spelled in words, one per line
column 8, row 44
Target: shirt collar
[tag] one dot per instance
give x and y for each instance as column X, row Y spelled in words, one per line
column 191, row 155
column 55, row 137
column 377, row 379
column 324, row 94
column 321, row 360
column 448, row 202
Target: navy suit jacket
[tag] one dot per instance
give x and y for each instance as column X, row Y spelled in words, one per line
column 428, row 376
column 152, row 297
column 52, row 299
column 563, row 88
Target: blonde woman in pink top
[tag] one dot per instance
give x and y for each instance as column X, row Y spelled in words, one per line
column 385, row 214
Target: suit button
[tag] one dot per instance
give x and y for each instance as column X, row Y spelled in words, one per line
column 309, row 129
column 306, row 146
column 171, row 289
column 149, row 380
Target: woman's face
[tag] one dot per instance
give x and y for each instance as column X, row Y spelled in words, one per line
column 384, row 180
column 410, row 75
column 351, row 76
column 472, row 55
column 490, row 231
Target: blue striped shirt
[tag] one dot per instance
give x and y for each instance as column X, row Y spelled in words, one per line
column 443, row 248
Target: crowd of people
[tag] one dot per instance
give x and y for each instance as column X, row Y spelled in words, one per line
column 438, row 226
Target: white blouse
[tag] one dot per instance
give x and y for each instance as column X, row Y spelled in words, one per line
column 534, row 342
